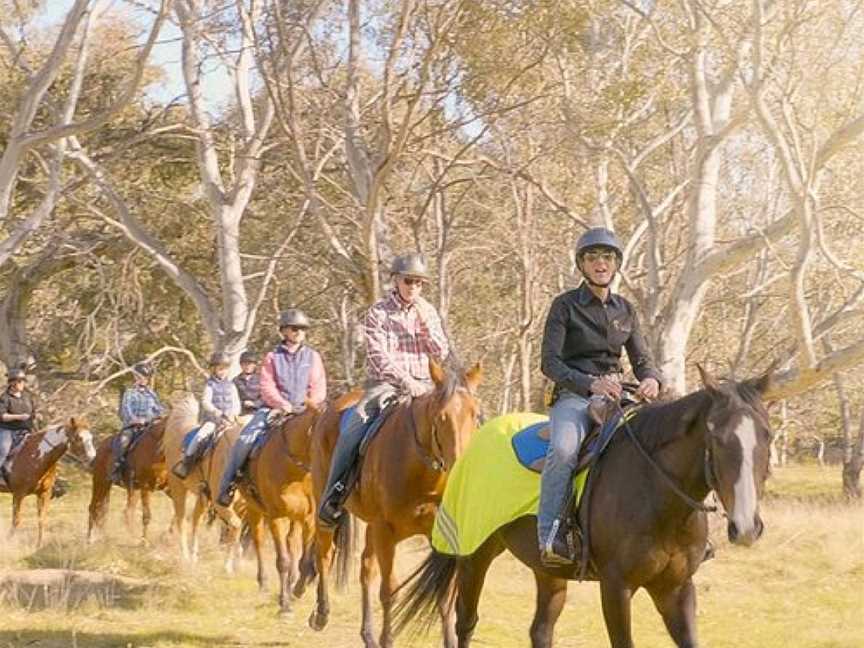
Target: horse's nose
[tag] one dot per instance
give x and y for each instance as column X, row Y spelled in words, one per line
column 748, row 537
column 732, row 532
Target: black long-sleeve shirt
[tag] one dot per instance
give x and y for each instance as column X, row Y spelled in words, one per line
column 583, row 339
column 22, row 404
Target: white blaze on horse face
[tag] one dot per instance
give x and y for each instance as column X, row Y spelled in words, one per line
column 744, row 510
column 89, row 447
column 53, row 437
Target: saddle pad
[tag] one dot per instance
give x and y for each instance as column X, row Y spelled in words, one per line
column 488, row 487
column 532, row 443
column 187, row 438
column 376, row 420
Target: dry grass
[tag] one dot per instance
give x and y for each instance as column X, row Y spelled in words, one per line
column 801, row 586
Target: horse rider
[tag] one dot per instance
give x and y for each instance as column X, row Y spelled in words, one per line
column 220, row 405
column 248, row 384
column 581, row 351
column 401, row 332
column 139, row 407
column 292, row 373
column 17, row 414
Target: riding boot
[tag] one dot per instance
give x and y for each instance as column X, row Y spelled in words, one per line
column 344, row 454
column 182, row 468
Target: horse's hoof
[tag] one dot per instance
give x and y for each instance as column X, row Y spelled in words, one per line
column 298, row 592
column 285, row 614
column 317, row 621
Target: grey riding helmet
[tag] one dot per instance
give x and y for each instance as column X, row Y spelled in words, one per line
column 599, row 237
column 293, row 317
column 410, row 265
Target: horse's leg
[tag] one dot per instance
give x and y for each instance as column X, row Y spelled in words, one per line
column 469, row 581
column 279, row 531
column 132, row 496
column 177, row 493
column 99, row 499
column 677, row 606
column 296, row 543
column 551, row 596
column 197, row 513
column 256, row 530
column 146, row 515
column 323, row 559
column 615, row 596
column 385, row 551
column 368, row 574
column 307, row 561
column 17, row 500
column 42, row 500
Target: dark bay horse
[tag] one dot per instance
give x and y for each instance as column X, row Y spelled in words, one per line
column 642, row 532
column 146, row 461
column 403, row 477
column 34, row 467
column 279, row 493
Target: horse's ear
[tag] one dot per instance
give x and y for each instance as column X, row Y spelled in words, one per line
column 709, row 381
column 73, row 422
column 436, row 371
column 474, row 377
column 765, row 382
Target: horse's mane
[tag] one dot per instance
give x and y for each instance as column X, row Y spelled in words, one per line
column 659, row 424
column 454, row 378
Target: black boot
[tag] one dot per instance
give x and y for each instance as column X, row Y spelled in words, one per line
column 344, row 456
column 116, row 476
column 182, row 468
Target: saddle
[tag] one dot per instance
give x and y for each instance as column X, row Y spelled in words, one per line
column 208, row 445
column 347, row 475
column 607, row 417
column 125, row 475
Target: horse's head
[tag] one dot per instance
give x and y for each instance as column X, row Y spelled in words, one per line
column 80, row 438
column 738, row 451
column 453, row 410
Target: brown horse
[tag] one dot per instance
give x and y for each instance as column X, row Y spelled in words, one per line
column 648, row 526
column 34, row 468
column 401, row 483
column 203, row 482
column 145, row 463
column 279, row 492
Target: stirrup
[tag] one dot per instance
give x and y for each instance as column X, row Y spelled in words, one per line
column 181, row 469
column 557, row 551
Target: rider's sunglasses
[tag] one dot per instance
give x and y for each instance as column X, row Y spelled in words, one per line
column 593, row 256
column 293, row 328
column 413, row 281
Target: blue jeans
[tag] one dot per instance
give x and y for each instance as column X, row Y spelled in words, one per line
column 569, row 423
column 6, row 438
column 242, row 447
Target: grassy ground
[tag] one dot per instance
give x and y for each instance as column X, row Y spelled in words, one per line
column 802, row 586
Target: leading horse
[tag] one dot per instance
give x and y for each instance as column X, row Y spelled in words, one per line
column 648, row 526
column 34, row 467
column 401, row 483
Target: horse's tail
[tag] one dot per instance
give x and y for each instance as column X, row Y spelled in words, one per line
column 430, row 586
column 344, row 542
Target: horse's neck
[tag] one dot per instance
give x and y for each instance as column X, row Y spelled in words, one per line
column 46, row 448
column 684, row 461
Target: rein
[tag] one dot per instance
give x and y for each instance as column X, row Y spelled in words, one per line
column 670, row 482
column 435, row 462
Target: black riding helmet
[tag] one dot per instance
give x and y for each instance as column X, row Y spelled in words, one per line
column 248, row 356
column 16, row 374
column 599, row 237
column 144, row 369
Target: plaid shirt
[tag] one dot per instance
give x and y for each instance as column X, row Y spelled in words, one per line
column 400, row 338
column 139, row 403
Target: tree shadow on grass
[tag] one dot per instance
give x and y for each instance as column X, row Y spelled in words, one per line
column 68, row 639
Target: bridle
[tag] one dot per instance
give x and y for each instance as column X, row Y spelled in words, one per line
column 710, row 477
column 434, row 458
